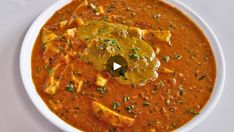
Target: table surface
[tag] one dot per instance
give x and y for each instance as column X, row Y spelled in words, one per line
column 17, row 112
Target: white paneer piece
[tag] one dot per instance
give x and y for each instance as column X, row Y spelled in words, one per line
column 48, row 36
column 164, row 36
column 63, row 23
column 100, row 81
column 70, row 33
column 79, row 21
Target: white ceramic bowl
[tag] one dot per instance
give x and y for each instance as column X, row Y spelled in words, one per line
column 29, row 40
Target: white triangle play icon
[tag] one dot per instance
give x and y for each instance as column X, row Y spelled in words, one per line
column 116, row 66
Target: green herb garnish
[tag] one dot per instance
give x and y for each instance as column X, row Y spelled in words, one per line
column 156, row 17
column 134, row 53
column 181, row 90
column 105, row 18
column 172, row 109
column 133, row 56
column 70, row 87
column 171, row 25
column 146, row 103
column 178, row 57
column 49, row 69
column 101, row 31
column 202, row 77
column 126, row 99
column 116, row 105
column 110, row 42
column 122, row 73
column 130, row 108
column 166, row 58
column 192, row 111
column 101, row 90
column 155, row 91
column 43, row 47
column 174, row 125
column 160, row 83
column 135, row 50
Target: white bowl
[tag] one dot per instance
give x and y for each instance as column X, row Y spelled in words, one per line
column 26, row 73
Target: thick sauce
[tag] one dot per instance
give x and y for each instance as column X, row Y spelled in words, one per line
column 66, row 66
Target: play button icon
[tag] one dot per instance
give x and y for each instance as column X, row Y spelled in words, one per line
column 117, row 66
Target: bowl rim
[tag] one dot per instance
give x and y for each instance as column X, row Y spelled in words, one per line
column 33, row 31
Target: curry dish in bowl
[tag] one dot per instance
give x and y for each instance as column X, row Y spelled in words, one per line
column 171, row 67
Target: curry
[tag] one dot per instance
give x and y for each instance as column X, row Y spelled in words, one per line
column 171, row 67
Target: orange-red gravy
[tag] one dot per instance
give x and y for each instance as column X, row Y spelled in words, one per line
column 174, row 98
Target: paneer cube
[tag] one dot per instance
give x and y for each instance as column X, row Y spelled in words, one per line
column 63, row 23
column 78, row 82
column 79, row 21
column 84, row 3
column 100, row 10
column 164, row 36
column 52, row 83
column 74, row 15
column 48, row 36
column 55, row 105
column 166, row 70
column 136, row 32
column 100, row 81
column 113, row 118
column 51, row 86
column 79, row 86
column 70, row 33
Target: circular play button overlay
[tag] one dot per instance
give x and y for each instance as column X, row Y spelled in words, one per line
column 117, row 66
